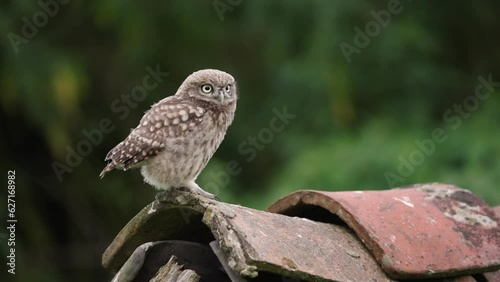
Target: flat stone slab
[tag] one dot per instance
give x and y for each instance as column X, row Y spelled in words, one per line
column 428, row 230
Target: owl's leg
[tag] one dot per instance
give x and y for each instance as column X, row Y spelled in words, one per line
column 193, row 187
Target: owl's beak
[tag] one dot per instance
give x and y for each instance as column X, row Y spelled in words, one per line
column 221, row 95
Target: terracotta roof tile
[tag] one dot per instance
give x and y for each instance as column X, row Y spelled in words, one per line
column 415, row 233
column 430, row 230
column 295, row 245
column 492, row 276
column 257, row 241
column 497, row 210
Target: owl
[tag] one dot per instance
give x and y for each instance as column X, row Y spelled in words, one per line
column 176, row 138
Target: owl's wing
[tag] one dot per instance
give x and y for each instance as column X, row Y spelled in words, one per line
column 167, row 121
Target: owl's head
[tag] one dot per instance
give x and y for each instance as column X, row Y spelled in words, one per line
column 210, row 85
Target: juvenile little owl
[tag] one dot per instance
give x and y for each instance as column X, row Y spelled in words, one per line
column 176, row 138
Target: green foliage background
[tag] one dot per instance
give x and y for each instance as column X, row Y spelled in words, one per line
column 353, row 120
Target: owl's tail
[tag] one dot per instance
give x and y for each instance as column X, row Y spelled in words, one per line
column 107, row 169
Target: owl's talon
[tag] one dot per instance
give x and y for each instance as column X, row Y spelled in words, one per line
column 199, row 191
column 211, row 196
column 207, row 195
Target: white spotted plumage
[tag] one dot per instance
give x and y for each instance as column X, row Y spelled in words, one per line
column 176, row 138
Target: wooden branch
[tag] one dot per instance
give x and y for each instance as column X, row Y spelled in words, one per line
column 173, row 272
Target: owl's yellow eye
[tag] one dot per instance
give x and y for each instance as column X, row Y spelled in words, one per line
column 228, row 88
column 206, row 88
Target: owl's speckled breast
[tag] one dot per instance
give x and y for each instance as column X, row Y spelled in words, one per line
column 186, row 157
